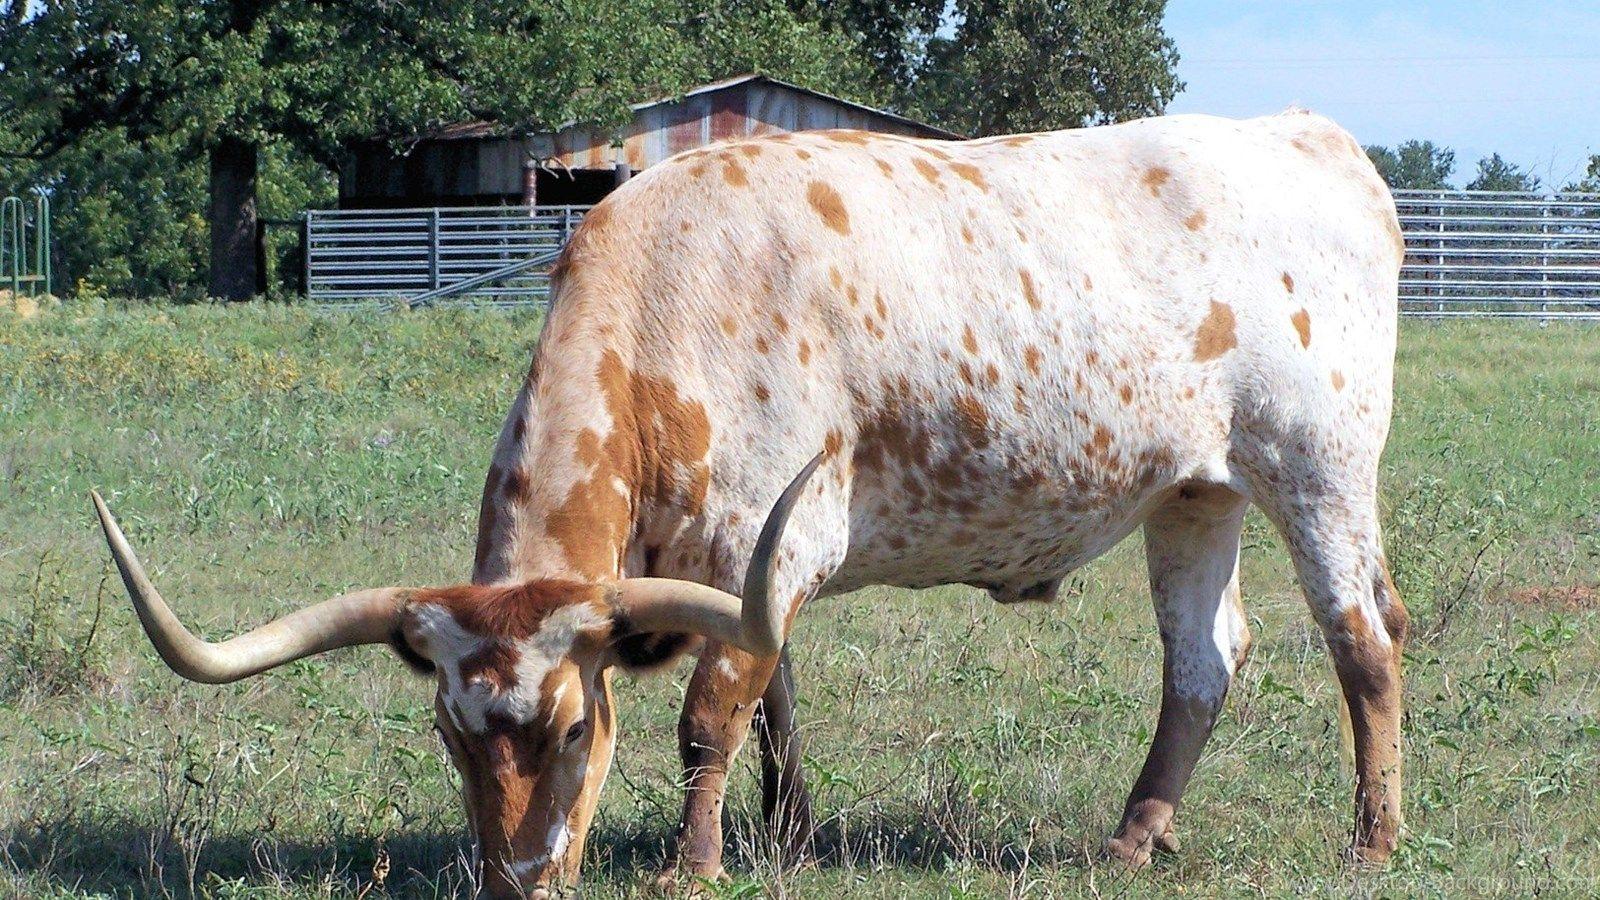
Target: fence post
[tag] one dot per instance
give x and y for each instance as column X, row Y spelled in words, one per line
column 11, row 240
column 305, row 254
column 433, row 249
column 1544, row 255
column 42, row 237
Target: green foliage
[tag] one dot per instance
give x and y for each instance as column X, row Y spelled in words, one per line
column 47, row 641
column 1495, row 174
column 1414, row 164
column 1590, row 182
column 1033, row 65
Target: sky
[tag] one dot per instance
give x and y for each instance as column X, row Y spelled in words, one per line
column 1518, row 77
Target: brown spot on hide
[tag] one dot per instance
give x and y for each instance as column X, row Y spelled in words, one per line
column 1215, row 335
column 1337, row 377
column 761, row 344
column 829, row 205
column 966, row 233
column 1196, row 220
column 762, row 395
column 969, row 341
column 973, row 421
column 1288, row 282
column 804, row 352
column 780, row 323
column 1302, row 324
column 1154, row 178
column 1099, row 443
column 1030, row 358
column 729, row 327
column 880, row 306
column 926, row 169
column 750, row 150
column 733, row 173
column 1028, row 292
column 885, row 168
column 1127, row 394
column 972, row 174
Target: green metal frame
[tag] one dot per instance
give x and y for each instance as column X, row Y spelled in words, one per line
column 25, row 244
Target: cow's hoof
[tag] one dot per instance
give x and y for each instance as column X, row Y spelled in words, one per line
column 675, row 883
column 1373, row 855
column 1134, row 845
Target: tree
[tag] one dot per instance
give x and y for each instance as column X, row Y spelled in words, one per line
column 1495, row 174
column 1419, row 165
column 891, row 34
column 225, row 79
column 1026, row 65
column 1589, row 183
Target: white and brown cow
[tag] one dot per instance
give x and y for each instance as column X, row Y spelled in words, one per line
column 1012, row 353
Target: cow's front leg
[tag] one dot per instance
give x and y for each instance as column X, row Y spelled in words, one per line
column 1192, row 548
column 717, row 709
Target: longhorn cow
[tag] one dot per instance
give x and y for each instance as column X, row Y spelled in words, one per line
column 1012, row 352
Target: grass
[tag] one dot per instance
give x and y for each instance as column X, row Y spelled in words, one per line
column 263, row 457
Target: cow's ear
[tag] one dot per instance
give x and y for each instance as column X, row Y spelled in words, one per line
column 408, row 650
column 645, row 652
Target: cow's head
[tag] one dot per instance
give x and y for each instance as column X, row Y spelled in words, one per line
column 523, row 672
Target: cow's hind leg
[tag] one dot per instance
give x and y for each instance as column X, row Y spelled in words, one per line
column 1331, row 527
column 1192, row 548
column 785, row 804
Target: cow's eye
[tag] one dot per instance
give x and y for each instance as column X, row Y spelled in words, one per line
column 574, row 734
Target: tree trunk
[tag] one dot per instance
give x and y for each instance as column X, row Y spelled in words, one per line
column 233, row 219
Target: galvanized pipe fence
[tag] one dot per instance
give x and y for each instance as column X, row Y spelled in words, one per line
column 356, row 257
column 1500, row 254
column 1469, row 254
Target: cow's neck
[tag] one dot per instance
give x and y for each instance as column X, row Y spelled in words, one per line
column 593, row 448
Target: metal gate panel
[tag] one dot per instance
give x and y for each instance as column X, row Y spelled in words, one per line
column 366, row 255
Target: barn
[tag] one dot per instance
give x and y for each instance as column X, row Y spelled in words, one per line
column 480, row 164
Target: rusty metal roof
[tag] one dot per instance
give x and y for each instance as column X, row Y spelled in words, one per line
column 484, row 129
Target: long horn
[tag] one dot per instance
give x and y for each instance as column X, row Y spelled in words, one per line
column 363, row 617
column 753, row 623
